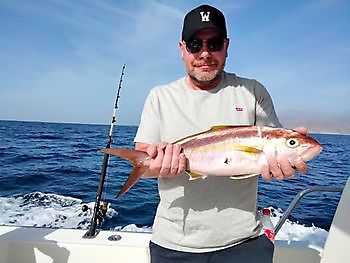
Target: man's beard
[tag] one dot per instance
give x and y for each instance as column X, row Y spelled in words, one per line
column 206, row 79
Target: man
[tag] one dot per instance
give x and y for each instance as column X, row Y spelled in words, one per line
column 211, row 220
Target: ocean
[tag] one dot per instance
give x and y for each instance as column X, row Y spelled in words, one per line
column 49, row 171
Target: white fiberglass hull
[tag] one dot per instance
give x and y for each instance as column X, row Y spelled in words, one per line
column 43, row 245
column 39, row 245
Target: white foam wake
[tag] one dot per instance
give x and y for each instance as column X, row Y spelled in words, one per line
column 293, row 231
column 56, row 211
column 46, row 210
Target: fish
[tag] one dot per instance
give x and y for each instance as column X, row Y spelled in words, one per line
column 238, row 152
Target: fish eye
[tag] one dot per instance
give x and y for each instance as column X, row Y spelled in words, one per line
column 292, row 143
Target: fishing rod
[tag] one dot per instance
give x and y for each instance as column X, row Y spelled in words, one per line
column 100, row 208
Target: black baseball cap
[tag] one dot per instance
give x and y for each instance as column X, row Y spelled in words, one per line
column 204, row 16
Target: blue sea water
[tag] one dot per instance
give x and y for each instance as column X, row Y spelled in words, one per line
column 49, row 170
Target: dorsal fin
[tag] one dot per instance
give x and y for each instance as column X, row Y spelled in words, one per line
column 213, row 128
column 219, row 127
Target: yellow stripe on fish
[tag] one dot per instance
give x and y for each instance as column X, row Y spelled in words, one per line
column 224, row 147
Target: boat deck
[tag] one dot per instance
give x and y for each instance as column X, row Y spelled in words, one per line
column 39, row 245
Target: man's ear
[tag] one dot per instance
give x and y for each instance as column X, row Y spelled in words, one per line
column 181, row 45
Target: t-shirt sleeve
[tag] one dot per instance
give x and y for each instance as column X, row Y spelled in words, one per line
column 149, row 130
column 264, row 109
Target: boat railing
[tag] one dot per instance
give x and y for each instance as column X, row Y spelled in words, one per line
column 299, row 196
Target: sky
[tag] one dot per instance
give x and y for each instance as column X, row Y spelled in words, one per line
column 60, row 60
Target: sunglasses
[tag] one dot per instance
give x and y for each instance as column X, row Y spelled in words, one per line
column 213, row 44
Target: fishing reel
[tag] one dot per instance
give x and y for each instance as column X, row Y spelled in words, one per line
column 98, row 215
column 103, row 209
column 101, row 213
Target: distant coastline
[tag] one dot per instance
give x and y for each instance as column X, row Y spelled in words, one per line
column 317, row 122
column 325, row 126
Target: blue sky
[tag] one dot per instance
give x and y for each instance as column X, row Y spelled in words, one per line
column 61, row 60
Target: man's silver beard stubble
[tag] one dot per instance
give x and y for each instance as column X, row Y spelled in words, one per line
column 204, row 80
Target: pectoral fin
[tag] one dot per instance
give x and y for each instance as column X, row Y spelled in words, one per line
column 247, row 149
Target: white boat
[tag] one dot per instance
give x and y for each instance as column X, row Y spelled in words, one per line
column 44, row 245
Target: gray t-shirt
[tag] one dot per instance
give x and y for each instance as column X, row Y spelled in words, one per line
column 216, row 212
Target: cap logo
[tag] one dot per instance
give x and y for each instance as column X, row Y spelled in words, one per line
column 205, row 17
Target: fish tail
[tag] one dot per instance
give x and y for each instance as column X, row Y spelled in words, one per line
column 133, row 156
column 136, row 158
column 132, row 179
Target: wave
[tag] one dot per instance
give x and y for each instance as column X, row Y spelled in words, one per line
column 47, row 210
column 21, row 158
column 293, row 231
column 47, row 137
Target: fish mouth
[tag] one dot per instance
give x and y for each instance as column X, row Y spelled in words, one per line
column 311, row 153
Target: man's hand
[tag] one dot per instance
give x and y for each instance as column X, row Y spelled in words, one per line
column 167, row 159
column 282, row 168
